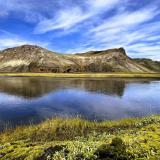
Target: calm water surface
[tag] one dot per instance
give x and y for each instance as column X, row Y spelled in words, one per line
column 31, row 100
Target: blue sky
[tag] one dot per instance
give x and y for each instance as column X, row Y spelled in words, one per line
column 71, row 26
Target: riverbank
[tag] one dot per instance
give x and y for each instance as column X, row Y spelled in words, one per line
column 74, row 139
column 84, row 75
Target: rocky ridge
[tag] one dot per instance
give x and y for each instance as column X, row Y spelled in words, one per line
column 30, row 58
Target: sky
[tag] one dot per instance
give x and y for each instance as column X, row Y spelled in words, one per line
column 75, row 26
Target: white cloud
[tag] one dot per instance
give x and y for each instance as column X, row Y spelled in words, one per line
column 6, row 42
column 14, row 42
column 97, row 6
column 80, row 50
column 27, row 10
column 68, row 18
column 8, row 39
column 124, row 22
column 64, row 20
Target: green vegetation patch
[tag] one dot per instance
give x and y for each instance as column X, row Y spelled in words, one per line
column 85, row 75
column 77, row 139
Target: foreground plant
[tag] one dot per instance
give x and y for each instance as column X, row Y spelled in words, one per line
column 77, row 139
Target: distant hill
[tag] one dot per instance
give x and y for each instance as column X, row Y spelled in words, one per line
column 29, row 58
column 148, row 63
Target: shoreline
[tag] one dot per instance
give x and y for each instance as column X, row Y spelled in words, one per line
column 83, row 75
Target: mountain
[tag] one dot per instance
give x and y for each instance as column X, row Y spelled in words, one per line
column 148, row 63
column 30, row 58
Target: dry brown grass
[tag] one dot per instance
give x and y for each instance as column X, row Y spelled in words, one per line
column 84, row 75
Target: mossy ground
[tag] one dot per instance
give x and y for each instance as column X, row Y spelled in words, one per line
column 77, row 139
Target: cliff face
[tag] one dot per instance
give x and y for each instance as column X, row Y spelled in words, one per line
column 28, row 58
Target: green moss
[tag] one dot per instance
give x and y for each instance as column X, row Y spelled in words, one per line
column 73, row 139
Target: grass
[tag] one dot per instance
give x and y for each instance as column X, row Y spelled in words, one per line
column 78, row 139
column 85, row 75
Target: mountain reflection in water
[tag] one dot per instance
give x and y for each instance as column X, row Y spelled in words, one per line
column 36, row 87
